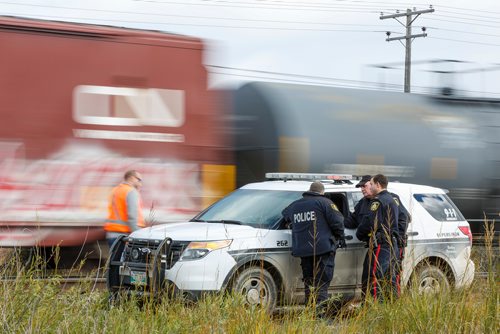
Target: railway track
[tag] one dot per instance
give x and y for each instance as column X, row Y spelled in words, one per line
column 95, row 283
column 486, row 259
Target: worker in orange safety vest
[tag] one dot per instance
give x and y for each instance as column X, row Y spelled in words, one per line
column 125, row 207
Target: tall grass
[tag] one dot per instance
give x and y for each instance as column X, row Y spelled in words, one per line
column 30, row 305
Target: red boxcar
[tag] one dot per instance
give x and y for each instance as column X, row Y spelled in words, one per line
column 80, row 105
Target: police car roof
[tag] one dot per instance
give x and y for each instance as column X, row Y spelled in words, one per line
column 399, row 188
column 294, row 185
column 291, row 185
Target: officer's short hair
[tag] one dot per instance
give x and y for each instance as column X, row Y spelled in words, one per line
column 317, row 187
column 382, row 180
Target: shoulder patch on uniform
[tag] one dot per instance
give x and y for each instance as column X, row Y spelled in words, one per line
column 374, row 206
column 396, row 200
column 334, row 207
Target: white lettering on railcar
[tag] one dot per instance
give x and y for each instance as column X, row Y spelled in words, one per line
column 129, row 135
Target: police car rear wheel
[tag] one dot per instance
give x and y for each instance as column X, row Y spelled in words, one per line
column 257, row 286
column 432, row 280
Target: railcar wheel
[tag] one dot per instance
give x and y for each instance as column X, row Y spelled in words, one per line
column 431, row 280
column 257, row 287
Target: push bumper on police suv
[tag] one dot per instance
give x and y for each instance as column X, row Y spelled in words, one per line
column 139, row 268
column 153, row 267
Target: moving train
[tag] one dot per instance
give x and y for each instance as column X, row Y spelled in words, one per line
column 444, row 141
column 80, row 104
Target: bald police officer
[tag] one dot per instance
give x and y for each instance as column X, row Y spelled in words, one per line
column 317, row 231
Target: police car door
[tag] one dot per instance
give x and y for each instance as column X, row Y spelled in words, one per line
column 345, row 275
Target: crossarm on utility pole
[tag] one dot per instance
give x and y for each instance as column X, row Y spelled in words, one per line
column 415, row 12
column 408, row 37
column 404, row 37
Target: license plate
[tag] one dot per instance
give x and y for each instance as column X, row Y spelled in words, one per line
column 138, row 277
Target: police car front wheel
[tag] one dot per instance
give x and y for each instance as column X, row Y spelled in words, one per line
column 257, row 286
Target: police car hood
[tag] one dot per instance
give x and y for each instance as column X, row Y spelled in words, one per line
column 196, row 231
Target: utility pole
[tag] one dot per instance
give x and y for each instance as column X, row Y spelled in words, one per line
column 409, row 37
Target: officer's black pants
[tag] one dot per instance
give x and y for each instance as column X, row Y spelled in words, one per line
column 317, row 273
column 399, row 269
column 380, row 272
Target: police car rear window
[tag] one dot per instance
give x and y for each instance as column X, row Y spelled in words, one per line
column 439, row 206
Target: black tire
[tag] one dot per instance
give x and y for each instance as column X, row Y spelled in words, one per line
column 430, row 279
column 257, row 287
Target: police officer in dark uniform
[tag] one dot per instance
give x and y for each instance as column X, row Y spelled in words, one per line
column 317, row 231
column 353, row 220
column 362, row 208
column 404, row 219
column 380, row 231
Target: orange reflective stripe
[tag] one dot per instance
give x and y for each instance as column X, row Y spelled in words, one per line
column 117, row 207
column 117, row 210
column 116, row 227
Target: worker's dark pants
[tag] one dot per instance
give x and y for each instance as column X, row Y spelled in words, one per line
column 380, row 271
column 110, row 242
column 317, row 273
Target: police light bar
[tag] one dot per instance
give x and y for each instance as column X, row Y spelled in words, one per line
column 309, row 176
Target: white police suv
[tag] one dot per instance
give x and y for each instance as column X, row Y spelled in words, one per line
column 241, row 243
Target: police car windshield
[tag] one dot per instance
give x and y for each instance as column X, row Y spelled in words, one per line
column 252, row 207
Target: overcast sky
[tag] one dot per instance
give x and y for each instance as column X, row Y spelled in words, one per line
column 335, row 42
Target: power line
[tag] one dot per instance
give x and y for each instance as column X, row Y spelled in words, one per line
column 466, row 18
column 283, row 74
column 236, row 5
column 381, row 4
column 245, row 27
column 350, row 9
column 208, row 25
column 471, row 9
column 462, row 41
column 461, row 22
column 313, row 80
column 93, row 19
column 219, row 18
column 463, row 31
column 468, row 14
column 123, row 12
column 187, row 16
column 355, row 6
column 122, row 21
column 321, row 5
